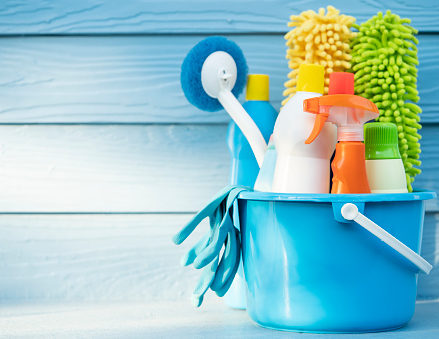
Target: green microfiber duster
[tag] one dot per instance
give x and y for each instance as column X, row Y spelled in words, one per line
column 384, row 59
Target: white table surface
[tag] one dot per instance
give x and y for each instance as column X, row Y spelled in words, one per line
column 170, row 320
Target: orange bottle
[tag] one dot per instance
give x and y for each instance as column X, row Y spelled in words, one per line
column 349, row 112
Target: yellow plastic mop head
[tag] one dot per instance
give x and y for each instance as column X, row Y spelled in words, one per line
column 318, row 38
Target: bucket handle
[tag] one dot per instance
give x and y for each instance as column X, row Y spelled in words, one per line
column 350, row 211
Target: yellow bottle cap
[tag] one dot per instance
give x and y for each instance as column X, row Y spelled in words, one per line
column 257, row 87
column 311, row 78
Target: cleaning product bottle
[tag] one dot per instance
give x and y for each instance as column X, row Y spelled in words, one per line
column 349, row 112
column 384, row 167
column 245, row 168
column 302, row 168
column 264, row 181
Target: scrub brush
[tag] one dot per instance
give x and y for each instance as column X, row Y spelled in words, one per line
column 384, row 59
column 213, row 73
column 318, row 38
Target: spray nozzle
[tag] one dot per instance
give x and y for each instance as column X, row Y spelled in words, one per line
column 341, row 107
column 348, row 112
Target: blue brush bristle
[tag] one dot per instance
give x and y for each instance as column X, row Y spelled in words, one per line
column 191, row 71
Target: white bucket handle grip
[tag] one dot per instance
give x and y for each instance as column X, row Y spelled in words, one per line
column 350, row 211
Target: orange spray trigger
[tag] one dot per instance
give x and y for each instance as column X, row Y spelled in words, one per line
column 318, row 125
column 313, row 106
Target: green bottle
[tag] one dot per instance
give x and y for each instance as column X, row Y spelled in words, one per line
column 384, row 167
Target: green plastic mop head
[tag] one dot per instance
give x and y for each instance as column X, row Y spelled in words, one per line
column 384, row 59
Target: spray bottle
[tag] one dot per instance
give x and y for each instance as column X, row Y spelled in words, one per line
column 349, row 112
column 244, row 168
column 300, row 167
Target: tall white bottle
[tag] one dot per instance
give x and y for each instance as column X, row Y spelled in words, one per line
column 302, row 168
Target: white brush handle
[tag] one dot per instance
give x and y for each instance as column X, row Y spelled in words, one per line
column 245, row 124
column 350, row 212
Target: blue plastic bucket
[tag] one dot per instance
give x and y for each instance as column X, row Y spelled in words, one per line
column 308, row 269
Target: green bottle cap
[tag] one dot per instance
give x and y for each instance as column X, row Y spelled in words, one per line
column 381, row 140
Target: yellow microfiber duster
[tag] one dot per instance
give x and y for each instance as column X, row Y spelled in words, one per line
column 318, row 38
column 384, row 59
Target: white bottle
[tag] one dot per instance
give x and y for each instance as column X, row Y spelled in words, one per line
column 302, row 168
column 384, row 167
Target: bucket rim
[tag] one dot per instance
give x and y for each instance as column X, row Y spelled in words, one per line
column 327, row 197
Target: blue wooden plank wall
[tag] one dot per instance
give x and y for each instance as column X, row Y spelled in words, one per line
column 101, row 157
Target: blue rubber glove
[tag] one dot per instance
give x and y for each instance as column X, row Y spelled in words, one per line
column 204, row 283
column 220, row 231
column 228, row 276
column 228, row 266
column 218, row 273
column 225, row 271
column 207, row 211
